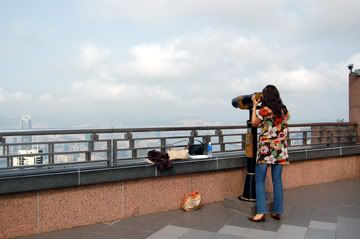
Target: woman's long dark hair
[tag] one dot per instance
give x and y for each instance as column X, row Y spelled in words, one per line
column 271, row 99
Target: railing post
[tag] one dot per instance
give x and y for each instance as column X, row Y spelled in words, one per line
column 9, row 159
column 304, row 138
column 339, row 134
column 331, row 135
column 51, row 153
column 320, row 135
column 87, row 156
column 221, row 140
column 6, row 151
column 193, row 134
column 349, row 136
column 91, row 146
column 353, row 134
column 207, row 140
column 132, row 146
column 108, row 152
column 2, row 142
column 163, row 145
column 114, row 155
column 131, row 140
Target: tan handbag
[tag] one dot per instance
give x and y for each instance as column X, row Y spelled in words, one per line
column 178, row 153
column 182, row 154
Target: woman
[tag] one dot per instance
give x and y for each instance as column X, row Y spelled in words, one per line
column 272, row 149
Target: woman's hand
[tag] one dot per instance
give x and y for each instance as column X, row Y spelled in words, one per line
column 255, row 101
column 255, row 121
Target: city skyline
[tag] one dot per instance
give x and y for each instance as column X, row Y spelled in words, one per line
column 140, row 64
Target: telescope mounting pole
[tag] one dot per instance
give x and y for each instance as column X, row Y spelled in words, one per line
column 249, row 193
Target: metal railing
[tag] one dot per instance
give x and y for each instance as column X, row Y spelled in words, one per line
column 110, row 146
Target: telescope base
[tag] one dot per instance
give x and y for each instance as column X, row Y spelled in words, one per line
column 249, row 193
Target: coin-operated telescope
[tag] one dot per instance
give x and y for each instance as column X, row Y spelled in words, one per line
column 244, row 102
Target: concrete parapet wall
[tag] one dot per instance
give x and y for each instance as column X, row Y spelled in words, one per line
column 49, row 210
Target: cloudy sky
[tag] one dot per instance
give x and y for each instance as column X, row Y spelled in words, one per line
column 139, row 63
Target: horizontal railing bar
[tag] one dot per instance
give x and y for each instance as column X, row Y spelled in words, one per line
column 55, row 165
column 309, row 145
column 322, row 131
column 112, row 130
column 300, row 131
column 54, row 153
column 175, row 146
column 232, row 150
column 162, row 137
column 173, row 137
column 230, row 135
column 56, row 142
column 325, row 137
column 232, row 142
column 324, row 124
column 134, row 130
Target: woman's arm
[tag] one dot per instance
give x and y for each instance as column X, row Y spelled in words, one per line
column 255, row 121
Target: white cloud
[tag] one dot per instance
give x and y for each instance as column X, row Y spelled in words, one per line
column 192, row 78
column 198, row 122
column 155, row 60
column 326, row 16
column 6, row 96
column 18, row 27
column 294, row 80
column 194, row 71
column 178, row 59
column 46, row 97
column 162, row 11
column 92, row 55
column 98, row 90
column 188, row 57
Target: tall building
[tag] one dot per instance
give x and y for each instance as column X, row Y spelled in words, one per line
column 354, row 99
column 26, row 124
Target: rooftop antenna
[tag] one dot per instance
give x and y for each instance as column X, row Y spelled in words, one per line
column 350, row 67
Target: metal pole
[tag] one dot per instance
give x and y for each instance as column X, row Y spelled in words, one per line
column 108, row 153
column 115, row 152
column 249, row 193
column 51, row 153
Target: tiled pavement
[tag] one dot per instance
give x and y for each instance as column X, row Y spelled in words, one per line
column 330, row 210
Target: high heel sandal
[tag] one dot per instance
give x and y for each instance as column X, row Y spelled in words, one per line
column 276, row 216
column 261, row 219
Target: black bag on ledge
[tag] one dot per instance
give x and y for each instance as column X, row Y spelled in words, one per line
column 160, row 159
column 197, row 149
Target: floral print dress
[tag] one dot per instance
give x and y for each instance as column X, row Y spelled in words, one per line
column 272, row 146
